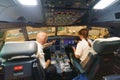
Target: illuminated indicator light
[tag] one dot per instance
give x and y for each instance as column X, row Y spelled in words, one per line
column 17, row 68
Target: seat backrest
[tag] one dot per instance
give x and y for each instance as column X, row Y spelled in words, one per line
column 69, row 50
column 14, row 49
column 75, row 62
column 106, row 45
column 87, row 63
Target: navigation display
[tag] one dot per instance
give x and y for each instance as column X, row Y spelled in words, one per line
column 69, row 42
column 62, row 42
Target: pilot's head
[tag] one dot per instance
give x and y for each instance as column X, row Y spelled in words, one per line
column 42, row 38
column 83, row 33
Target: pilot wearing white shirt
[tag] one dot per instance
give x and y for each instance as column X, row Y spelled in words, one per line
column 50, row 70
column 83, row 46
column 40, row 55
column 41, row 39
column 82, row 49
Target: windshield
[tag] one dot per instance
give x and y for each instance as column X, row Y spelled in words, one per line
column 33, row 31
column 17, row 34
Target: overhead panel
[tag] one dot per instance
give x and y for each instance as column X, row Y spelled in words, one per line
column 64, row 12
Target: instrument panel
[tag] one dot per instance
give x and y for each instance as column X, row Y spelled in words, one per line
column 62, row 42
column 59, row 57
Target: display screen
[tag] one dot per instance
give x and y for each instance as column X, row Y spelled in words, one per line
column 66, row 42
column 61, row 42
column 69, row 42
column 57, row 47
column 57, row 42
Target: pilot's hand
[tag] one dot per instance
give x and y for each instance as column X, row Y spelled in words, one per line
column 53, row 41
column 73, row 48
column 49, row 43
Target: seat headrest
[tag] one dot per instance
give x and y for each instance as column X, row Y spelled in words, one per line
column 13, row 49
column 106, row 45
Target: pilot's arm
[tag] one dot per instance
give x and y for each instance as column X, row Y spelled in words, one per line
column 49, row 43
column 77, row 51
column 47, row 56
column 48, row 62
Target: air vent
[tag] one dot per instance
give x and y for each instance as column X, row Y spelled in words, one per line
column 117, row 15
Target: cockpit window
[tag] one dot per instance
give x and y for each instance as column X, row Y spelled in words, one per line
column 69, row 30
column 14, row 35
column 18, row 35
column 94, row 32
column 98, row 32
column 33, row 31
column 2, row 36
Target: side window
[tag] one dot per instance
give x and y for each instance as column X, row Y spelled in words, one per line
column 98, row 32
column 14, row 35
column 2, row 35
column 32, row 31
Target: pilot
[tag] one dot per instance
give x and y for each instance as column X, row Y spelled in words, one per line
column 41, row 40
column 83, row 45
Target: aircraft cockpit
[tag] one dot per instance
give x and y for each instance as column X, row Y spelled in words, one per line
column 61, row 51
column 61, row 20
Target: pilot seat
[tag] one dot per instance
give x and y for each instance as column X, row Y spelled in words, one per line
column 109, row 62
column 18, row 62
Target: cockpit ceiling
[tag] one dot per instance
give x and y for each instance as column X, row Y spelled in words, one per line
column 56, row 12
column 48, row 12
column 12, row 11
